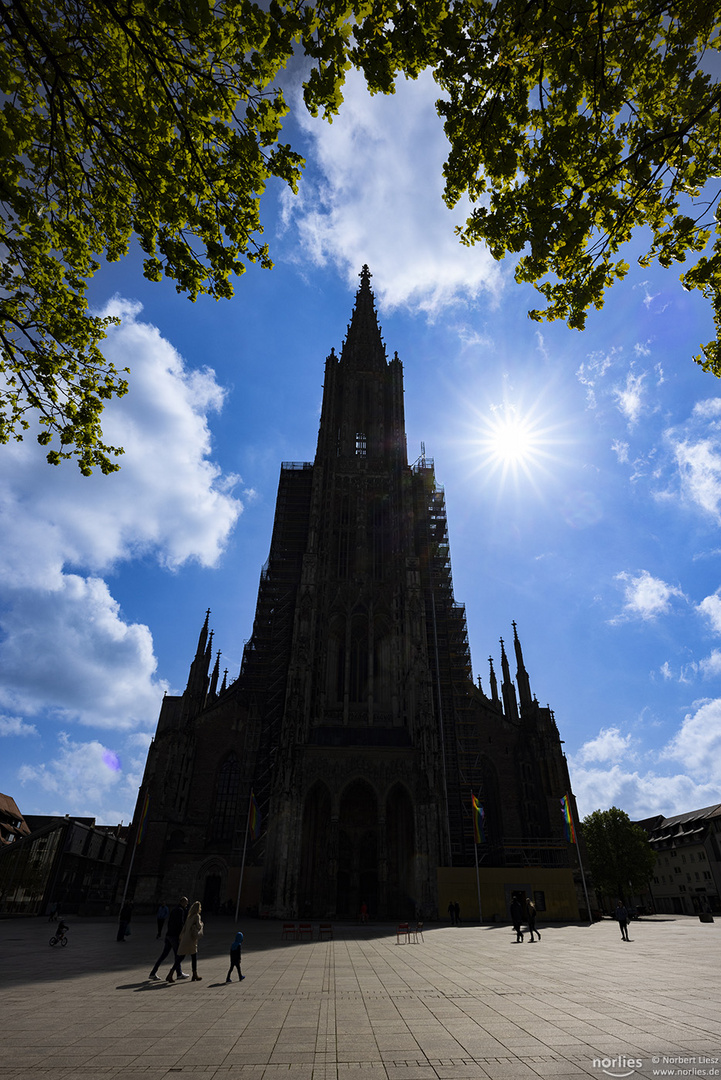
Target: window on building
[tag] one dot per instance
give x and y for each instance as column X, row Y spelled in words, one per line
column 225, row 809
column 361, row 444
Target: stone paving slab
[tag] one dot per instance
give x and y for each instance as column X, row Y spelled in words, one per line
column 466, row 1003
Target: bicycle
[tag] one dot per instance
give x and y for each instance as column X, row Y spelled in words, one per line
column 59, row 937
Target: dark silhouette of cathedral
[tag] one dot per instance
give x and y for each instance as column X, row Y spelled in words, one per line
column 354, row 721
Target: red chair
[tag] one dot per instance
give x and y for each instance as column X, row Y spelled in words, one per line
column 305, row 930
column 290, row 932
column 403, row 931
column 325, row 930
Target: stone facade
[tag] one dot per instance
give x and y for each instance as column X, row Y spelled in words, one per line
column 354, row 721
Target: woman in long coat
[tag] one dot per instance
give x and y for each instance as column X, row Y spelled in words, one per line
column 188, row 944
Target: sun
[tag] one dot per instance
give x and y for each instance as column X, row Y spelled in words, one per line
column 511, row 440
column 516, row 442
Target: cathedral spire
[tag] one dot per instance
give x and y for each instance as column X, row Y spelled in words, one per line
column 363, row 349
column 196, row 689
column 203, row 639
column 510, row 703
column 215, row 676
column 524, row 684
column 494, row 683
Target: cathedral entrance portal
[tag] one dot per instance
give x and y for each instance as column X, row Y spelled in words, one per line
column 357, row 850
column 315, row 896
column 402, row 901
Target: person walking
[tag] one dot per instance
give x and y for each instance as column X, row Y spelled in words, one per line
column 621, row 917
column 235, row 949
column 161, row 915
column 126, row 914
column 457, row 913
column 176, row 918
column 516, row 916
column 452, row 913
column 188, row 944
column 531, row 916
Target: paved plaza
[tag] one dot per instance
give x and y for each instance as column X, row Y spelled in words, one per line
column 463, row 1002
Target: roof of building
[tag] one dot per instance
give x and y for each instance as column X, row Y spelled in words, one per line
column 680, row 825
column 12, row 823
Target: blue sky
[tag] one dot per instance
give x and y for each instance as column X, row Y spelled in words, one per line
column 582, row 474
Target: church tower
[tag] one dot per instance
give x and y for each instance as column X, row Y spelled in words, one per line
column 356, row 789
column 354, row 721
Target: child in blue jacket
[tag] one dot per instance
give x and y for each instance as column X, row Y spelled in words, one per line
column 235, row 956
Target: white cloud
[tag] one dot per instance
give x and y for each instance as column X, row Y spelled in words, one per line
column 69, row 648
column 609, row 745
column 629, row 398
column 65, row 645
column 699, row 466
column 697, row 744
column 708, row 409
column 15, row 725
column 621, row 451
column 646, row 597
column 710, row 607
column 87, row 779
column 640, row 793
column 378, row 199
column 710, row 666
column 642, row 789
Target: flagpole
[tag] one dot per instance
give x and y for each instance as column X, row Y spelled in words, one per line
column 478, row 883
column 136, row 845
column 242, row 864
column 580, row 863
column 478, row 876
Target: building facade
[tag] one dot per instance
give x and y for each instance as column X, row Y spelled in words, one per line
column 687, row 875
column 354, row 721
column 71, row 862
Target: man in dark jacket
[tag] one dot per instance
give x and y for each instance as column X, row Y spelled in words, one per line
column 621, row 916
column 172, row 937
column 516, row 916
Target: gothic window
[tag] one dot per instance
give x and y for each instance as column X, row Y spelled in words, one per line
column 361, row 444
column 381, row 664
column 225, row 808
column 339, row 649
column 378, row 537
column 358, row 689
column 345, row 562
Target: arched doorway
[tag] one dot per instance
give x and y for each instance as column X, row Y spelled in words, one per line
column 400, row 846
column 315, row 892
column 357, row 850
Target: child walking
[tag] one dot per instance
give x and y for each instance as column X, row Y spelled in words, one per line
column 235, row 957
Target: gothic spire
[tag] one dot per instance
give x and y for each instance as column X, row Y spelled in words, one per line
column 508, row 690
column 196, row 689
column 203, row 639
column 215, row 676
column 494, row 683
column 524, row 684
column 363, row 348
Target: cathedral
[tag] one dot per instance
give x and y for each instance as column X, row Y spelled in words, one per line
column 337, row 770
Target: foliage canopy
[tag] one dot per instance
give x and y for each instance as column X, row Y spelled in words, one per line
column 620, row 857
column 571, row 125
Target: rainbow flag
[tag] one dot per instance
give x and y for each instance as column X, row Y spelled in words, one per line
column 254, row 818
column 142, row 827
column 479, row 816
column 568, row 820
